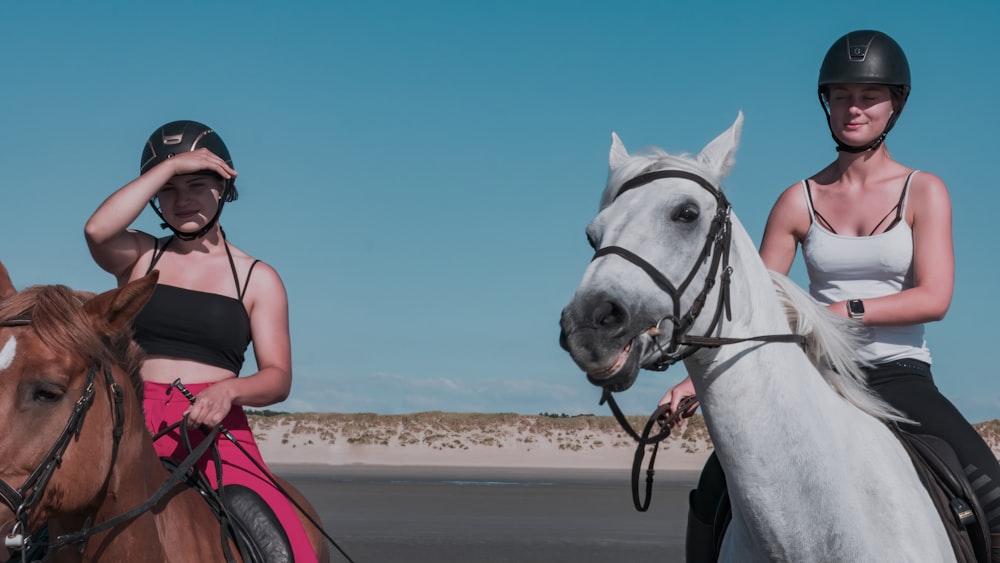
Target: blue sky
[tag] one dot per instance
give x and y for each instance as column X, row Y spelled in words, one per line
column 421, row 173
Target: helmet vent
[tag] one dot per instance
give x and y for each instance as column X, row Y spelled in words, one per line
column 859, row 52
column 172, row 139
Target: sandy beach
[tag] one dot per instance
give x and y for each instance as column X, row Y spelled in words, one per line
column 481, row 440
column 468, row 440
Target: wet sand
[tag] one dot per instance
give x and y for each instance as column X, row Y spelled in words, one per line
column 425, row 514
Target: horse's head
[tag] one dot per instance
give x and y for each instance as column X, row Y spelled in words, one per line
column 661, row 238
column 61, row 369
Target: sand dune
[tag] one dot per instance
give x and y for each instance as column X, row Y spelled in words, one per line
column 471, row 439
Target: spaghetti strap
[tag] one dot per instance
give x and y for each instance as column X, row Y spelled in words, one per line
column 809, row 202
column 814, row 215
column 246, row 284
column 905, row 197
column 240, row 291
column 158, row 252
column 900, row 208
column 232, row 266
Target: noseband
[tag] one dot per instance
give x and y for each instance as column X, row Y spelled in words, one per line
column 25, row 497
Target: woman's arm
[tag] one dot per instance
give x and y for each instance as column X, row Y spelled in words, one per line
column 271, row 341
column 112, row 245
column 786, row 227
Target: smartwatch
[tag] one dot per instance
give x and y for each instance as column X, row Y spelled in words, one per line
column 856, row 309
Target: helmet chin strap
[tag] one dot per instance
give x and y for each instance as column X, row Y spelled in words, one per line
column 202, row 231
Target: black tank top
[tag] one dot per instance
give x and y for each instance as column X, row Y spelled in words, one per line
column 195, row 325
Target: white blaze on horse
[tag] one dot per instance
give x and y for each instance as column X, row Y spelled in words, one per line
column 813, row 472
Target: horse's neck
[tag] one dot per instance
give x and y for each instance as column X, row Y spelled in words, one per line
column 133, row 479
column 753, row 392
column 771, row 384
column 154, row 535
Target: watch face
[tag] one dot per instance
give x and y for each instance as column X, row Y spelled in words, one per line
column 856, row 306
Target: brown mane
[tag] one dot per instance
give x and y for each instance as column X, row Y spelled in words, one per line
column 59, row 321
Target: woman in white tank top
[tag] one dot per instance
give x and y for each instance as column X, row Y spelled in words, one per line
column 876, row 238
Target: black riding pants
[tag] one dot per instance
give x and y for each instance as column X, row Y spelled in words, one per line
column 909, row 386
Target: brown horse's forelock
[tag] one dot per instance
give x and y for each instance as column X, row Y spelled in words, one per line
column 59, row 321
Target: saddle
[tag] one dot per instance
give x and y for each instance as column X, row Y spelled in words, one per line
column 942, row 475
column 249, row 521
column 938, row 469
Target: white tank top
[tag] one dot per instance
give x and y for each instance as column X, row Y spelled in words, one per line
column 847, row 267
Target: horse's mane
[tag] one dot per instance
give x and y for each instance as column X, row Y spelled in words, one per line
column 831, row 344
column 59, row 321
column 649, row 159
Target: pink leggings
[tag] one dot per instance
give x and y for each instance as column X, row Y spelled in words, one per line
column 164, row 409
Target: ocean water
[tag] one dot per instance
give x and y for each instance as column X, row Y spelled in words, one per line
column 452, row 514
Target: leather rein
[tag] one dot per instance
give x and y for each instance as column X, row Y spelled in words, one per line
column 717, row 248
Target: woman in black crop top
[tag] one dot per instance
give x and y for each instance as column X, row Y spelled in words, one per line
column 212, row 300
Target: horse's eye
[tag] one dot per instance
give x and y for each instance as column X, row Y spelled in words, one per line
column 47, row 394
column 686, row 213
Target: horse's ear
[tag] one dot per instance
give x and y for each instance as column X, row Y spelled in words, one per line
column 6, row 286
column 112, row 310
column 618, row 155
column 720, row 154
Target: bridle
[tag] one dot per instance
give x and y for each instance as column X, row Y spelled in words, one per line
column 717, row 243
column 717, row 247
column 24, row 498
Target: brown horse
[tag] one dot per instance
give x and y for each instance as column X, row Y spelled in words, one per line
column 75, row 451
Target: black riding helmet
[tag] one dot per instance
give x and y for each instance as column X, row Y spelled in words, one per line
column 179, row 137
column 865, row 57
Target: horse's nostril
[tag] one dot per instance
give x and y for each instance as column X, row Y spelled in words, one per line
column 609, row 314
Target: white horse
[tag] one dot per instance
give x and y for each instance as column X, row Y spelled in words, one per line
column 814, row 474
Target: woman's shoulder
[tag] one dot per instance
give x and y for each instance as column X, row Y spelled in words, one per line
column 146, row 248
column 258, row 275
column 923, row 179
column 792, row 199
column 264, row 270
column 928, row 191
column 790, row 213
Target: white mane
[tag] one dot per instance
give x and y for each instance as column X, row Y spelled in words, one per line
column 831, row 344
